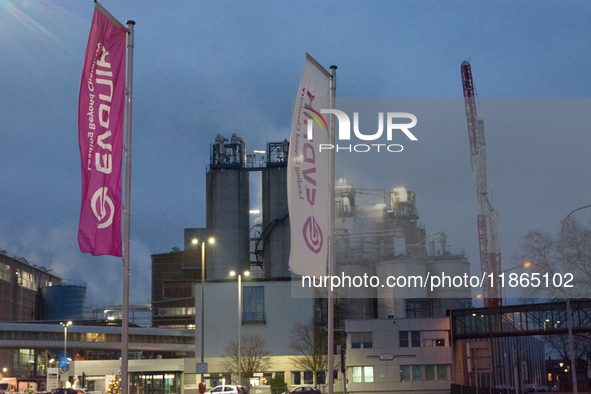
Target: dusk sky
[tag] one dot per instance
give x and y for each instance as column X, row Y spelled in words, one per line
column 203, row 68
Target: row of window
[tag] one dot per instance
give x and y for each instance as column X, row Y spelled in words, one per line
column 176, row 311
column 92, row 337
column 415, row 340
column 408, row 373
column 364, row 340
column 307, row 377
column 423, row 373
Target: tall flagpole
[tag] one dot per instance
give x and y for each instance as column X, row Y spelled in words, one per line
column 127, row 210
column 331, row 256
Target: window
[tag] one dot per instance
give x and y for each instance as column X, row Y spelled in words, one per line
column 5, row 272
column 357, row 377
column 429, row 373
column 361, row 340
column 403, row 338
column 368, row 374
column 405, row 373
column 440, row 342
column 321, row 377
column 415, row 338
column 363, row 374
column 296, row 378
column 308, row 377
column 280, row 375
column 441, row 372
column 253, row 304
column 419, row 308
column 417, row 374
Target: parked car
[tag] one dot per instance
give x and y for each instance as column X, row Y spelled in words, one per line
column 542, row 388
column 529, row 387
column 228, row 389
column 304, row 390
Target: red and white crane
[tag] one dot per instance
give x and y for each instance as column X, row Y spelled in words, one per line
column 487, row 217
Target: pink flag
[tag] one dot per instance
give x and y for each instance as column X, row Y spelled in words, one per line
column 100, row 134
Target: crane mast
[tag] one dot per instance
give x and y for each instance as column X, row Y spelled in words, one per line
column 487, row 217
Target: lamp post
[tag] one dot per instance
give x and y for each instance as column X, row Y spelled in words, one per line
column 568, row 315
column 233, row 273
column 196, row 241
column 65, row 342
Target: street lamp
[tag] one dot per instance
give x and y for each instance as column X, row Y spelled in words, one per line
column 527, row 264
column 65, row 342
column 195, row 241
column 569, row 317
column 233, row 273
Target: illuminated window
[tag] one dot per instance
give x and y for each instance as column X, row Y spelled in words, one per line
column 363, row 374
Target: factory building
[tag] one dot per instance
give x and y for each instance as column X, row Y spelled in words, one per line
column 25, row 294
column 378, row 233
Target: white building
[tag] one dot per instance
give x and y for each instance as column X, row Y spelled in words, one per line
column 398, row 355
column 270, row 309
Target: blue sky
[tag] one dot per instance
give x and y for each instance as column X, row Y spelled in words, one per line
column 203, row 68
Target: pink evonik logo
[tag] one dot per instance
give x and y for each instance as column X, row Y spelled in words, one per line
column 312, row 235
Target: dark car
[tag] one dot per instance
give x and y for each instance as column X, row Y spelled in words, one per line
column 68, row 391
column 304, row 390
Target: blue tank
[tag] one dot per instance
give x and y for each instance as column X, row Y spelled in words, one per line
column 64, row 302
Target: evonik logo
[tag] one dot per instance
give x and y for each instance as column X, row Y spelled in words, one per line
column 344, row 132
column 100, row 210
column 312, row 234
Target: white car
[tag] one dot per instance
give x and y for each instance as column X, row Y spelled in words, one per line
column 228, row 389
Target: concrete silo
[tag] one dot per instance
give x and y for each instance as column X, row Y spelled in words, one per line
column 275, row 237
column 227, row 193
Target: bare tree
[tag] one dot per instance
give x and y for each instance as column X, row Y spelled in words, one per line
column 254, row 356
column 545, row 251
column 309, row 342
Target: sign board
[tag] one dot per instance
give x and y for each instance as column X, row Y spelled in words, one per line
column 258, row 374
column 52, row 378
column 200, row 367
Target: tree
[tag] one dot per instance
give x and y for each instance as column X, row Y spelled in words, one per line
column 254, row 356
column 309, row 342
column 545, row 251
column 278, row 385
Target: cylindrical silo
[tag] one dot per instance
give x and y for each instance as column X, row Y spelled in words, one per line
column 400, row 278
column 451, row 269
column 64, row 302
column 275, row 236
column 227, row 209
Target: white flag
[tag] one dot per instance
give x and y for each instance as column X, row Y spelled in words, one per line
column 308, row 174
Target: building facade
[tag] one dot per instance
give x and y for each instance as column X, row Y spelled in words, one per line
column 21, row 286
column 398, row 355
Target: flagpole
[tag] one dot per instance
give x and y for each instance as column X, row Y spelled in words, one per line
column 331, row 256
column 127, row 215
